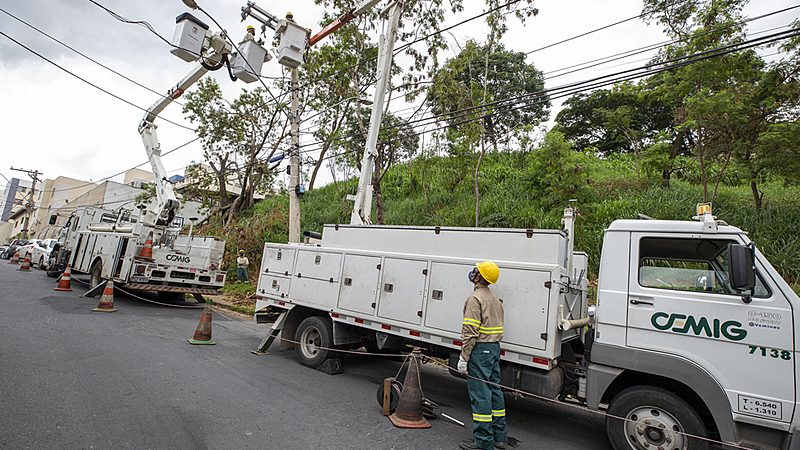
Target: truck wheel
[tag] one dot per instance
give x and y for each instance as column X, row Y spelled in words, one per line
column 94, row 275
column 313, row 333
column 655, row 418
column 41, row 263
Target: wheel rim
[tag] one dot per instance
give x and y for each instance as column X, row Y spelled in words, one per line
column 310, row 341
column 649, row 427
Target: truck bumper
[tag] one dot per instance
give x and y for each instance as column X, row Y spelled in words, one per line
column 161, row 288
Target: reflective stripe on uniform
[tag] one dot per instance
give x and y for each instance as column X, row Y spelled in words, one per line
column 499, row 412
column 481, row 417
column 475, row 322
column 490, row 330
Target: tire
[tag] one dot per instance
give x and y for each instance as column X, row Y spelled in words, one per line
column 94, row 275
column 312, row 333
column 664, row 412
column 41, row 263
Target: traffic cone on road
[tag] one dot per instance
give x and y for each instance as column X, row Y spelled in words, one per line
column 64, row 281
column 202, row 334
column 147, row 250
column 106, row 303
column 26, row 264
column 409, row 409
column 14, row 259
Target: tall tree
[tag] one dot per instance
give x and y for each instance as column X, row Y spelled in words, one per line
column 478, row 77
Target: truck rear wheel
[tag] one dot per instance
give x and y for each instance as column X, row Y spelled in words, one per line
column 314, row 336
column 654, row 418
column 95, row 276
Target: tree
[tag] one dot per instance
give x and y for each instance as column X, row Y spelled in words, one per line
column 238, row 138
column 618, row 120
column 556, row 172
column 476, row 77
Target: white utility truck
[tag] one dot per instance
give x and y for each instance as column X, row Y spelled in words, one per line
column 121, row 249
column 112, row 245
column 693, row 332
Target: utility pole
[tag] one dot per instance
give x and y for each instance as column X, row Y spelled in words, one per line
column 294, row 163
column 29, row 205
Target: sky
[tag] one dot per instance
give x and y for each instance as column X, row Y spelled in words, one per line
column 59, row 125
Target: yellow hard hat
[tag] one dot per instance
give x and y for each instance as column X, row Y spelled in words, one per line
column 489, row 271
column 250, row 27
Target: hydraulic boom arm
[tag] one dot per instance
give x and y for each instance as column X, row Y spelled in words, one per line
column 168, row 204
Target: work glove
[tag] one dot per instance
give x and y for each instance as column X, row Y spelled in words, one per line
column 462, row 365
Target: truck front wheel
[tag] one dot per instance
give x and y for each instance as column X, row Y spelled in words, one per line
column 645, row 417
column 95, row 275
column 314, row 337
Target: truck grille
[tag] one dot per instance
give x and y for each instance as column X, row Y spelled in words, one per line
column 181, row 275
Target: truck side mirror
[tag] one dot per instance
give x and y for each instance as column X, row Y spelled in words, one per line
column 742, row 273
column 53, row 219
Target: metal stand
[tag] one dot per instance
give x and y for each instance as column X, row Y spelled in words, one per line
column 273, row 333
column 95, row 290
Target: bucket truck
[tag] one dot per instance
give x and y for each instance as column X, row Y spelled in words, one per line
column 148, row 253
column 693, row 338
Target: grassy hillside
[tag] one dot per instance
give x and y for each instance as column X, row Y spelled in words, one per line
column 438, row 191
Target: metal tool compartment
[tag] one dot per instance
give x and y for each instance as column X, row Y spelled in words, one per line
column 359, row 286
column 526, row 304
column 448, row 290
column 278, row 259
column 274, row 286
column 316, row 277
column 402, row 289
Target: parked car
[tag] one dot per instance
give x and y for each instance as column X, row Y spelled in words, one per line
column 40, row 257
column 3, row 249
column 12, row 248
column 27, row 249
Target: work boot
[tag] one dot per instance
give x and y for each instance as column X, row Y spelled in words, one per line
column 468, row 444
column 500, row 445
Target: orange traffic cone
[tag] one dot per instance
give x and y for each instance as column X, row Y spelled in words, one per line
column 26, row 264
column 14, row 259
column 64, row 282
column 409, row 409
column 147, row 250
column 106, row 303
column 202, row 334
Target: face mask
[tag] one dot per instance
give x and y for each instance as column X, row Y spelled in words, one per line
column 471, row 276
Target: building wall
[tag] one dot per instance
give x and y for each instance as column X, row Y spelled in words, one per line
column 14, row 197
column 55, row 194
column 138, row 175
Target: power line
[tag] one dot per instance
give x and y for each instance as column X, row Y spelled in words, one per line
column 87, row 81
column 594, row 83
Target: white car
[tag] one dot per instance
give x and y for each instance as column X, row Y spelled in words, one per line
column 40, row 255
column 27, row 249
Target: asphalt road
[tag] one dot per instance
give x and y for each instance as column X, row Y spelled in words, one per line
column 71, row 378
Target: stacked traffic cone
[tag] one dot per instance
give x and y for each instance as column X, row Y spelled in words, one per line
column 106, row 303
column 147, row 250
column 26, row 264
column 64, row 281
column 202, row 334
column 409, row 409
column 14, row 259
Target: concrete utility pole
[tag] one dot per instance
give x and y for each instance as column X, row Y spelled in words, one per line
column 31, row 203
column 294, row 163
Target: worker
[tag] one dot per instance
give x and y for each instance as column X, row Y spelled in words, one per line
column 251, row 34
column 241, row 268
column 481, row 333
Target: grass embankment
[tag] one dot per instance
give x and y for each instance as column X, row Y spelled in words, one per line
column 438, row 191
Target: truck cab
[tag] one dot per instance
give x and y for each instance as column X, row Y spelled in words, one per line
column 677, row 347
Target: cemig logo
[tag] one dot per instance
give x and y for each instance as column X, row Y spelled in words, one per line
column 178, row 258
column 681, row 323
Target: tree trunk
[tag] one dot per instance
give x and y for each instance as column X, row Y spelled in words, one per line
column 476, row 186
column 757, row 197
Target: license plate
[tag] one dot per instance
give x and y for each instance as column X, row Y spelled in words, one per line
column 138, row 279
column 760, row 407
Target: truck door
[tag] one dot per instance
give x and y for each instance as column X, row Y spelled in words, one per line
column 679, row 303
